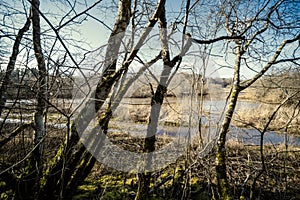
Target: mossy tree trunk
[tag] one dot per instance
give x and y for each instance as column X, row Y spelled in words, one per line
column 241, row 47
column 30, row 183
column 73, row 160
column 223, row 186
column 76, row 156
column 156, row 103
column 11, row 64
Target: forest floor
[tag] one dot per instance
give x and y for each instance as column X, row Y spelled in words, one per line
column 286, row 119
column 194, row 176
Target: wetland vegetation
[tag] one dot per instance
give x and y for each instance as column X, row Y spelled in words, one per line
column 131, row 99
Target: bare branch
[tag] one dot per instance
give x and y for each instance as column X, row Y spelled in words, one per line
column 15, row 133
column 218, row 39
column 11, row 65
column 78, row 15
column 247, row 83
column 263, row 29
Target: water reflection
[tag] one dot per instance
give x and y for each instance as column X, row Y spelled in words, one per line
column 209, row 124
column 253, row 137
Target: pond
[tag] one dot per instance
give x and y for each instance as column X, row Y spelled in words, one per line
column 252, row 137
column 215, row 108
column 244, row 135
column 241, row 135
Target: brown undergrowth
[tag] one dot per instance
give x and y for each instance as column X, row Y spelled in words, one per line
column 192, row 176
column 287, row 118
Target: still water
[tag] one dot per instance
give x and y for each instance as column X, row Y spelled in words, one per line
column 209, row 127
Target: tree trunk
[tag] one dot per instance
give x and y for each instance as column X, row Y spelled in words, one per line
column 11, row 64
column 71, row 154
column 223, row 185
column 42, row 85
column 156, row 103
column 29, row 184
column 110, row 76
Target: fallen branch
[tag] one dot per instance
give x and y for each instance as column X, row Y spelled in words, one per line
column 15, row 133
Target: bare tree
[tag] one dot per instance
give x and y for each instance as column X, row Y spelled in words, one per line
column 51, row 140
column 35, row 165
column 252, row 30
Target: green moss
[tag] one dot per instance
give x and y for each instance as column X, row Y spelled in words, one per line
column 112, row 195
column 108, row 186
column 224, row 190
column 201, row 195
column 220, row 159
column 88, row 190
column 87, row 187
column 129, row 181
column 8, row 193
column 52, row 163
column 4, row 196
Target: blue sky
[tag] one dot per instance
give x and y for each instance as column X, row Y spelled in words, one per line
column 91, row 31
column 96, row 34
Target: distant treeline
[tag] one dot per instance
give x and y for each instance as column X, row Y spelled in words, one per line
column 181, row 86
column 279, row 86
column 23, row 84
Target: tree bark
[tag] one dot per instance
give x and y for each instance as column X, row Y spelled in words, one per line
column 156, row 103
column 11, row 64
column 223, row 186
column 72, row 153
column 42, row 84
column 110, row 76
column 29, row 185
column 35, row 167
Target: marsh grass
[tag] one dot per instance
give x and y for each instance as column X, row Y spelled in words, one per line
column 194, row 174
column 19, row 147
column 287, row 119
column 137, row 110
column 196, row 177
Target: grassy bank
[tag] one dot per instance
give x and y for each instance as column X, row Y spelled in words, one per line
column 286, row 119
column 192, row 175
column 195, row 177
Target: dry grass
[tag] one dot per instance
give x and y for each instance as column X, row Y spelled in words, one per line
column 281, row 178
column 197, row 175
column 18, row 148
column 137, row 110
column 287, row 119
column 279, row 181
column 135, row 144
